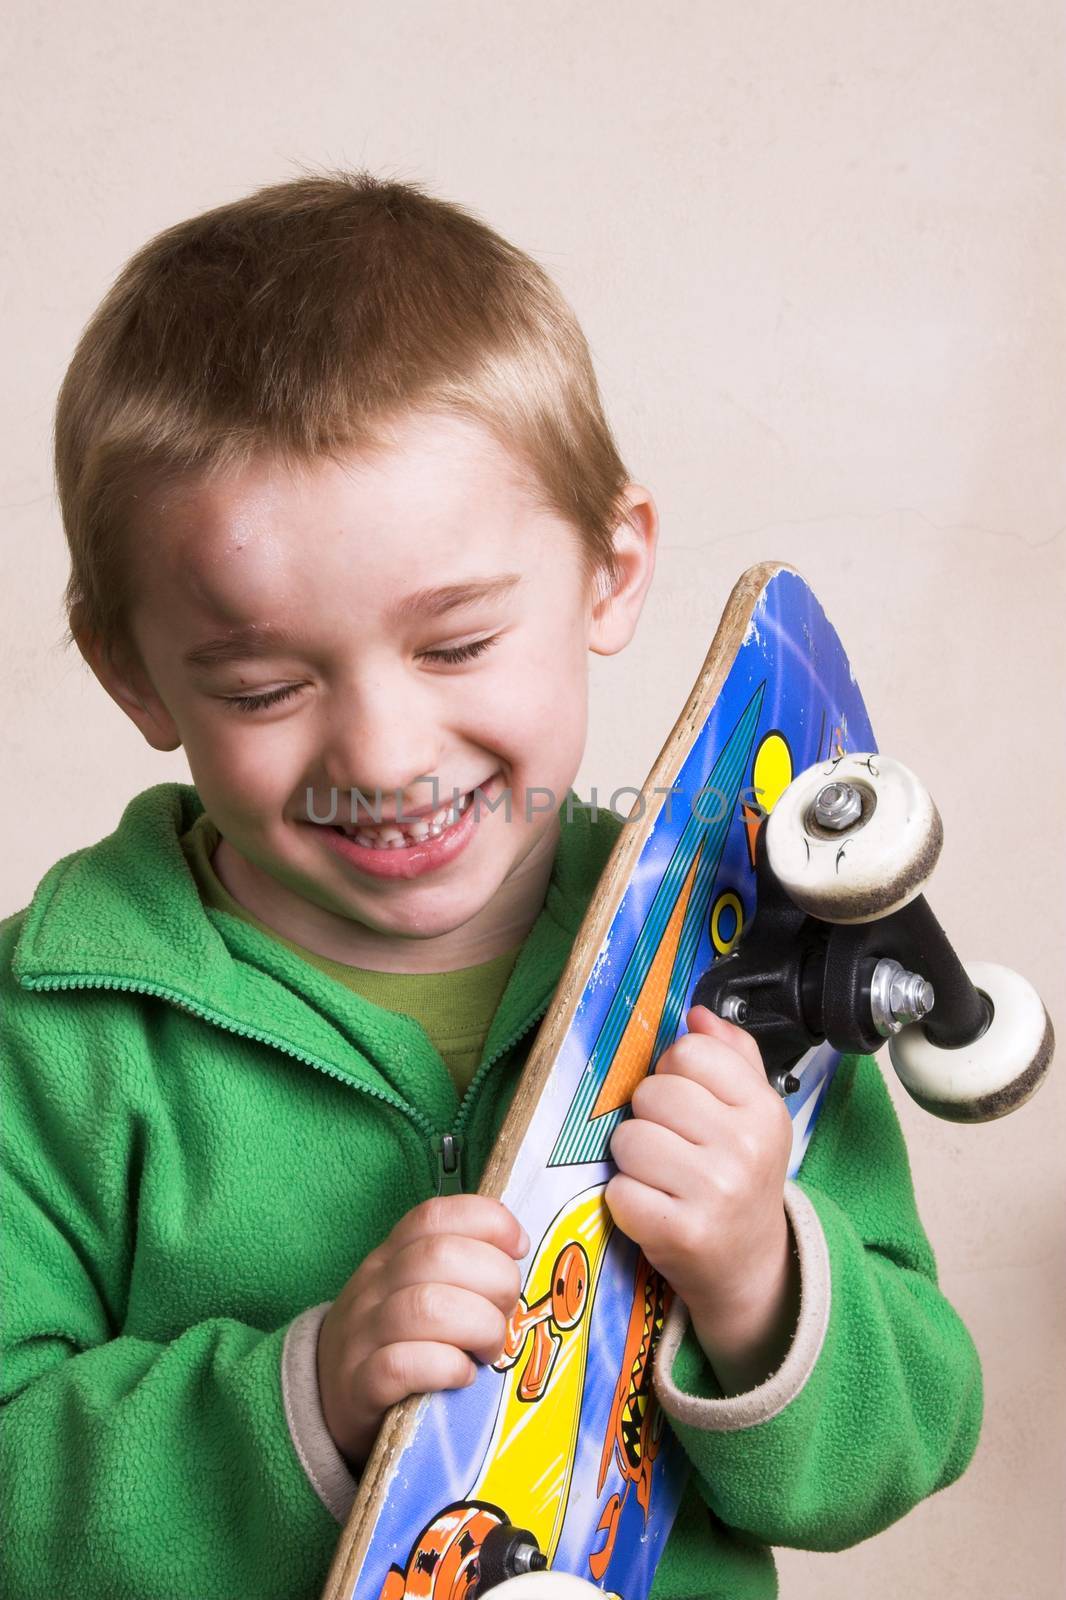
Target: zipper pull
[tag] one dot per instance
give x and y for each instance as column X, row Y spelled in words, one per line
column 448, row 1149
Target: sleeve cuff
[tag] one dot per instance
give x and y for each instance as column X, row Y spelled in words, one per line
column 731, row 1413
column 326, row 1469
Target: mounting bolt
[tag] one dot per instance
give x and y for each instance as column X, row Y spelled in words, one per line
column 838, row 806
column 734, row 1009
column 898, row 997
column 527, row 1558
column 506, row 1552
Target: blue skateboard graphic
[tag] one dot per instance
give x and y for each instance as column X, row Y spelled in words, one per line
column 562, row 1437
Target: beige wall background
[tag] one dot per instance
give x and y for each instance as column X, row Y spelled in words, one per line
column 819, row 254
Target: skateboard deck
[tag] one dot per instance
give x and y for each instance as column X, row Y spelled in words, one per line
column 562, row 1436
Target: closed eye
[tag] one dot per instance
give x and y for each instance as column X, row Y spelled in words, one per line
column 257, row 702
column 451, row 656
column 462, row 652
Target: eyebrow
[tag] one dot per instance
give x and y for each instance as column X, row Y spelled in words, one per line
column 452, row 596
column 243, row 644
column 248, row 643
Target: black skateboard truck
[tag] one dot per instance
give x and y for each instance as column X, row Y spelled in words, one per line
column 844, row 948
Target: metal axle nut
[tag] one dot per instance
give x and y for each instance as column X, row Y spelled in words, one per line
column 838, row 806
column 898, row 997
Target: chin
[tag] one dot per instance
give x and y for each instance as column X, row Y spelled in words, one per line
column 426, row 924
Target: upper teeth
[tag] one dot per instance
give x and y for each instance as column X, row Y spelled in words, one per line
column 394, row 836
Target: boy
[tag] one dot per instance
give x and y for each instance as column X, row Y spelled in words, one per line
column 345, row 519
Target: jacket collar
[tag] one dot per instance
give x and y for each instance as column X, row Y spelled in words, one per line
column 126, row 914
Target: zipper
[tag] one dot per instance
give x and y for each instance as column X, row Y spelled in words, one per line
column 486, row 1066
column 448, row 1147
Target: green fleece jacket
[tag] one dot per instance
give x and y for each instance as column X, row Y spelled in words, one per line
column 204, row 1136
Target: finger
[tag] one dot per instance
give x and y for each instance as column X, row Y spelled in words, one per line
column 653, row 1155
column 471, row 1216
column 463, row 1262
column 644, row 1214
column 701, row 1019
column 679, row 1103
column 715, row 1065
column 441, row 1313
column 413, row 1367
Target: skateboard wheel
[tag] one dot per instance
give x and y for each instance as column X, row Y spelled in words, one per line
column 997, row 1072
column 544, row 1586
column 875, row 849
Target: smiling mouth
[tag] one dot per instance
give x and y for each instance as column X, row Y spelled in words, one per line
column 402, row 836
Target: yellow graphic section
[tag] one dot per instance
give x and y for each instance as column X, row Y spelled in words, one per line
column 530, row 1457
column 633, row 1055
column 728, row 909
column 772, row 773
column 770, row 777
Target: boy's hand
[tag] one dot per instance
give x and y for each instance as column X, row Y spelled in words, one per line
column 700, row 1187
column 431, row 1300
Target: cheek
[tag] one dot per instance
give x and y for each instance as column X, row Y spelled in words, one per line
column 543, row 715
column 554, row 662
column 245, row 772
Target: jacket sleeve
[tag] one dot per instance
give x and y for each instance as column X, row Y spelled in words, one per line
column 130, row 1467
column 878, row 1402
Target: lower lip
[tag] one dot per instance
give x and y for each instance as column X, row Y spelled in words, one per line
column 405, row 861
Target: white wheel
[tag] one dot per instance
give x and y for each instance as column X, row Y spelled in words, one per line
column 995, row 1074
column 546, row 1586
column 868, row 867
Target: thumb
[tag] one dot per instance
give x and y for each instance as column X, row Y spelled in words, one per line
column 701, row 1019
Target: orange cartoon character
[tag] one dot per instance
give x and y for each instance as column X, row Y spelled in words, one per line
column 464, row 1545
column 546, row 1320
column 635, row 1426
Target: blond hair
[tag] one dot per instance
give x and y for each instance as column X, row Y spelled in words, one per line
column 300, row 320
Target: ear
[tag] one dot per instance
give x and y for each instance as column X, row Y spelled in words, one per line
column 116, row 664
column 616, row 608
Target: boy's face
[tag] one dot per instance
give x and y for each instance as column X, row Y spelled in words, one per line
column 362, row 665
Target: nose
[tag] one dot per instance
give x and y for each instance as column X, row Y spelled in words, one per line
column 380, row 740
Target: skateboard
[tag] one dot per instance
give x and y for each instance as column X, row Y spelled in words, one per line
column 555, row 1473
